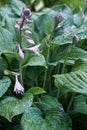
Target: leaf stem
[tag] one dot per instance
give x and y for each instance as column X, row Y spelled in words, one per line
column 67, row 54
column 21, row 73
column 70, row 102
column 45, row 73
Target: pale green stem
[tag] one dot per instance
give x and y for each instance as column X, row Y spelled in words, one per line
column 70, row 102
column 67, row 54
column 45, row 74
column 20, row 69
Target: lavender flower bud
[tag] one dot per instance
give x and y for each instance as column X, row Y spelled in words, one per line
column 21, row 54
column 29, row 40
column 34, row 49
column 75, row 39
column 26, row 13
column 59, row 17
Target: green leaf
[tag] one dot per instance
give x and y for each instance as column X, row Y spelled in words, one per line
column 80, row 65
column 10, row 107
column 6, row 40
column 4, row 85
column 36, row 90
column 47, row 102
column 53, row 119
column 45, row 24
column 36, row 61
column 17, row 6
column 80, row 105
column 75, row 54
column 3, row 64
column 72, row 82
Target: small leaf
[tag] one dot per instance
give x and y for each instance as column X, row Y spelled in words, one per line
column 36, row 90
column 10, row 107
column 4, row 85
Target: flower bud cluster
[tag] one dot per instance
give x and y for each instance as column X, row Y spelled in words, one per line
column 25, row 19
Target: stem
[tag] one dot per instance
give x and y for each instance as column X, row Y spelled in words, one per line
column 70, row 102
column 67, row 54
column 20, row 61
column 45, row 74
column 20, row 69
column 64, row 65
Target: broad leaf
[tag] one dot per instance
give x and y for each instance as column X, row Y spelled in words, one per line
column 3, row 64
column 80, row 105
column 6, row 40
column 10, row 107
column 52, row 119
column 75, row 54
column 16, row 8
column 4, row 85
column 80, row 65
column 36, row 90
column 36, row 61
column 72, row 82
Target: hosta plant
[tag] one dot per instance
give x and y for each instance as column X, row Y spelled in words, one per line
column 43, row 68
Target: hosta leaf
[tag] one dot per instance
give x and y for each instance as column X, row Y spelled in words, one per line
column 36, row 61
column 75, row 54
column 80, row 65
column 36, row 90
column 3, row 64
column 80, row 105
column 16, row 8
column 10, row 107
column 6, row 40
column 53, row 119
column 43, row 25
column 47, row 102
column 4, row 85
column 72, row 82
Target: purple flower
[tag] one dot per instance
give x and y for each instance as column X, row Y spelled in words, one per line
column 34, row 49
column 18, row 87
column 85, row 1
column 75, row 39
column 21, row 54
column 59, row 17
column 27, row 31
column 26, row 13
column 29, row 40
column 26, row 21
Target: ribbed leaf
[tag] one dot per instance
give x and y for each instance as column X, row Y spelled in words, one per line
column 80, row 105
column 72, row 82
column 4, row 85
column 10, row 107
column 80, row 65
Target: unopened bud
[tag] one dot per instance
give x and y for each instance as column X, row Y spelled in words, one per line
column 75, row 39
column 26, row 13
column 59, row 17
